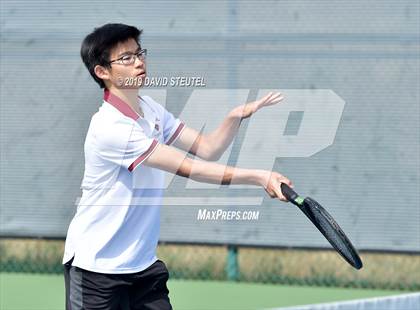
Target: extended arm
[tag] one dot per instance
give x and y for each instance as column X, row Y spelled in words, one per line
column 211, row 146
column 171, row 160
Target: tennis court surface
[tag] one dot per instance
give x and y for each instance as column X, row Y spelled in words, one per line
column 20, row 291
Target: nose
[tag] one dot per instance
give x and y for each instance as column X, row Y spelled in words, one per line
column 138, row 60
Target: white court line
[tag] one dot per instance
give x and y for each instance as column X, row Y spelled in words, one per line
column 397, row 302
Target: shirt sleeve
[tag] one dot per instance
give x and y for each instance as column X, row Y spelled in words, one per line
column 172, row 127
column 126, row 145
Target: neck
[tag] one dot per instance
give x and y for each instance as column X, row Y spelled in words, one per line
column 130, row 96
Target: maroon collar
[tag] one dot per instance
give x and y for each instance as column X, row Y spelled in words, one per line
column 120, row 105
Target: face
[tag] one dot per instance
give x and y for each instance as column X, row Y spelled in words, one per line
column 123, row 75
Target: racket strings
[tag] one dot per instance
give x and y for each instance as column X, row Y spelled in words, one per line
column 332, row 231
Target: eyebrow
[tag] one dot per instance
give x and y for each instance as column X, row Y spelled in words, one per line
column 128, row 52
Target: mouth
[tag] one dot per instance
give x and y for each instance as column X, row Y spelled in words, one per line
column 141, row 74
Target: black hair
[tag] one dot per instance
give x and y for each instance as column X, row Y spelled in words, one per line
column 97, row 45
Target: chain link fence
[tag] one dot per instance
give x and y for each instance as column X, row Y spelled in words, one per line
column 397, row 271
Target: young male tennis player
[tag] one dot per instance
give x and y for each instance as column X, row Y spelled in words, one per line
column 110, row 254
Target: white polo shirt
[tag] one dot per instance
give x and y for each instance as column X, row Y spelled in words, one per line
column 116, row 226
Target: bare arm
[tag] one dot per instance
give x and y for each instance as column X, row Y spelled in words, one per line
column 212, row 146
column 171, row 160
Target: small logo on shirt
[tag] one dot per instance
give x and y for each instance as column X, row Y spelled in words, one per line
column 157, row 125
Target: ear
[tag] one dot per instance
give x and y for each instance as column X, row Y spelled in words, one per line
column 101, row 72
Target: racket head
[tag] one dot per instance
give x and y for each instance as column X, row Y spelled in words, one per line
column 331, row 231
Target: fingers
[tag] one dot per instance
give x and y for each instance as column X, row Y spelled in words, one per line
column 272, row 98
column 279, row 194
column 274, row 188
column 282, row 179
column 286, row 181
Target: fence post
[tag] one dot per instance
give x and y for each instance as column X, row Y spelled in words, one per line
column 232, row 266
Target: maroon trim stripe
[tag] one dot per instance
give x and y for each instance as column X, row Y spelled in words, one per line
column 176, row 133
column 120, row 105
column 143, row 156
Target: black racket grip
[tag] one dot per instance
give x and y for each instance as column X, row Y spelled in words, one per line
column 289, row 193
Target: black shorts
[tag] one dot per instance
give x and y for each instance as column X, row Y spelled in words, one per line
column 144, row 290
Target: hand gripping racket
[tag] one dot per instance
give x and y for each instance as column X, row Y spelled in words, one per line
column 325, row 224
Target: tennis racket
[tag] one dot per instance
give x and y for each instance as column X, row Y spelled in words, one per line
column 325, row 224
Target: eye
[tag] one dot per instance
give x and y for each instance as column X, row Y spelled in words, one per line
column 142, row 53
column 126, row 58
